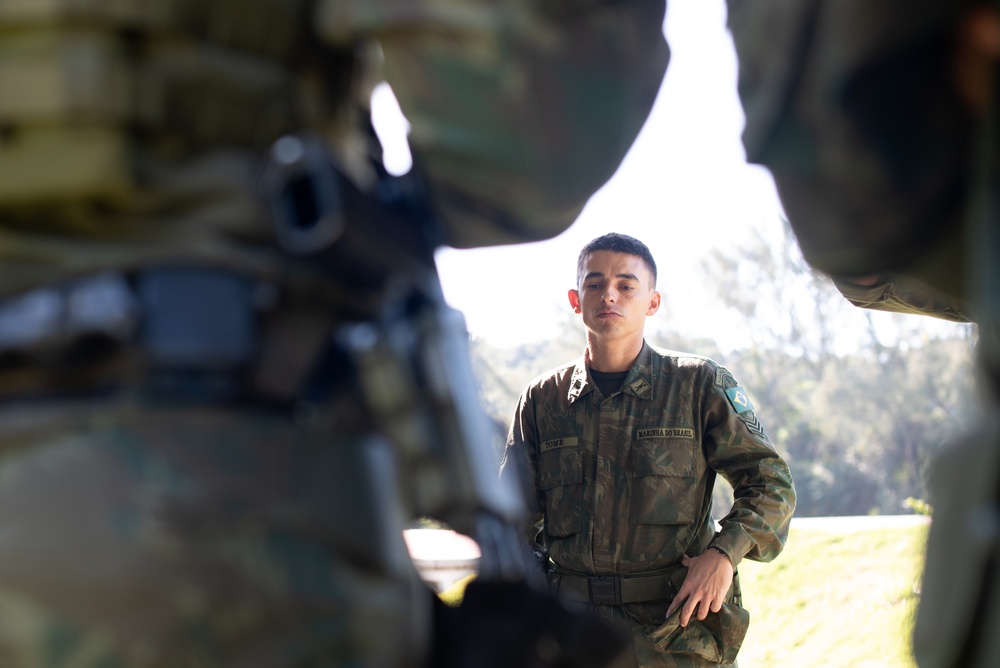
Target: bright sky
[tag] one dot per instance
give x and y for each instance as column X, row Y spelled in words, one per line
column 684, row 189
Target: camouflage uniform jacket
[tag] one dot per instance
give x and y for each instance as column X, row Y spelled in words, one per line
column 624, row 484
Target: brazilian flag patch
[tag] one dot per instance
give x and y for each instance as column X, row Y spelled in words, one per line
column 739, row 399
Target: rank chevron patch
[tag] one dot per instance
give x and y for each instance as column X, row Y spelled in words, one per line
column 752, row 423
column 723, row 378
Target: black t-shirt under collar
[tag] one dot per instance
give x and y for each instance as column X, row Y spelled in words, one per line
column 608, row 382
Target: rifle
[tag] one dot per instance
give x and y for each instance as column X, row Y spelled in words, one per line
column 407, row 352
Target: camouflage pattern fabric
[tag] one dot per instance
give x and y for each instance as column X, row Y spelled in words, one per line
column 902, row 294
column 152, row 537
column 500, row 97
column 135, row 130
column 623, row 485
column 157, row 157
column 716, row 640
column 850, row 106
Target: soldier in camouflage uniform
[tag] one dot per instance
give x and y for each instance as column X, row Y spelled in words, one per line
column 623, row 447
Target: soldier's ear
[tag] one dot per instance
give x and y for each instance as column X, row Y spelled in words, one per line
column 574, row 300
column 654, row 304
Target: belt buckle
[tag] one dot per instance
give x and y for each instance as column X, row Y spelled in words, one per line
column 605, row 590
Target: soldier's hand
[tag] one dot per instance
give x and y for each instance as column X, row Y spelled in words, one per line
column 705, row 587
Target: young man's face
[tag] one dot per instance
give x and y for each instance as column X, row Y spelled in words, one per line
column 615, row 296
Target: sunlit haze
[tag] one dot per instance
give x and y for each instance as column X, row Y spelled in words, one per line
column 683, row 189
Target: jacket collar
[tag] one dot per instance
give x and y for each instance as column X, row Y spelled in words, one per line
column 638, row 382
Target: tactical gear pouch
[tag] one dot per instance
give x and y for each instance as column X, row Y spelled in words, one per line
column 63, row 98
column 94, row 92
column 131, row 13
column 717, row 638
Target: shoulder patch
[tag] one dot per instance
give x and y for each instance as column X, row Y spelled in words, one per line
column 753, row 424
column 739, row 399
column 723, row 378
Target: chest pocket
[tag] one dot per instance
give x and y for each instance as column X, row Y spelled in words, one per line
column 665, row 473
column 560, row 476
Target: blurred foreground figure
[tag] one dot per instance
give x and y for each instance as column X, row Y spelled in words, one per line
column 227, row 375
column 879, row 122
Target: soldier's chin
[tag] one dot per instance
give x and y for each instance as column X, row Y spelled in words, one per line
column 607, row 325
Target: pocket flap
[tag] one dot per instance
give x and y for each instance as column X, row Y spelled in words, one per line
column 665, row 457
column 559, row 467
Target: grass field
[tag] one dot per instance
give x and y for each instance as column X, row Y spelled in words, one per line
column 832, row 599
column 835, row 600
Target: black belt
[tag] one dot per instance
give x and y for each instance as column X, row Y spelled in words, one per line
column 612, row 589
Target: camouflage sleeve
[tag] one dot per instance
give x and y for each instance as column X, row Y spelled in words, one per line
column 901, row 294
column 520, row 457
column 852, row 107
column 737, row 446
column 518, row 110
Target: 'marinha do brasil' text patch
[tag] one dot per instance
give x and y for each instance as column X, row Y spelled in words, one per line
column 666, row 432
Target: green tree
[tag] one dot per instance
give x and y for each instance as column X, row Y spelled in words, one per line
column 858, row 406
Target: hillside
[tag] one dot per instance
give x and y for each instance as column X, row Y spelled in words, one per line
column 834, row 599
column 842, row 594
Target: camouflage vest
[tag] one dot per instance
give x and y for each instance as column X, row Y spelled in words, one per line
column 132, row 131
column 88, row 86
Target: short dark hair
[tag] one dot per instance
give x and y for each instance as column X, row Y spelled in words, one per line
column 617, row 243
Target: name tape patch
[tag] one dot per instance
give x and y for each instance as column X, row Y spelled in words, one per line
column 555, row 443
